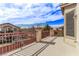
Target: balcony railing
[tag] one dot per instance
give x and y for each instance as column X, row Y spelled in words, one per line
column 7, row 47
column 13, row 33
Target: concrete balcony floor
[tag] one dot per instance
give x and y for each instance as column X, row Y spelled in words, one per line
column 49, row 46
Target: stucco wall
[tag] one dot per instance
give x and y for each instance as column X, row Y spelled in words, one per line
column 69, row 39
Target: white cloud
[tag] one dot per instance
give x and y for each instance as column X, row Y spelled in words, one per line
column 30, row 12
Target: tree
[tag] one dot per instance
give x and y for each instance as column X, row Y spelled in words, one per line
column 47, row 27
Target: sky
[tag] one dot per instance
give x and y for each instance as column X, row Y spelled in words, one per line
column 31, row 13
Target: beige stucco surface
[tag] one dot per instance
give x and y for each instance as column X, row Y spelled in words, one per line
column 60, row 49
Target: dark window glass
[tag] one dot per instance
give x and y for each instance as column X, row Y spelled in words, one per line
column 70, row 23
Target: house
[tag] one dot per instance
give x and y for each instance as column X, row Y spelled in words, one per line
column 71, row 23
column 13, row 37
column 10, row 33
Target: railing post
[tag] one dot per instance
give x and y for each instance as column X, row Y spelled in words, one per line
column 51, row 32
column 38, row 34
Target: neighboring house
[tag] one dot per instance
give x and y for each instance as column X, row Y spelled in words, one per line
column 10, row 33
column 13, row 37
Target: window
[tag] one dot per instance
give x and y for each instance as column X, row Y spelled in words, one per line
column 70, row 23
column 15, row 29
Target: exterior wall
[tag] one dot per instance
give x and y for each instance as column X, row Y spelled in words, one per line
column 77, row 22
column 68, row 39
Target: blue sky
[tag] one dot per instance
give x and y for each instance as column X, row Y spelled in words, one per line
column 31, row 13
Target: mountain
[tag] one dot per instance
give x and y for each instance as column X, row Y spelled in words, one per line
column 24, row 25
column 30, row 25
column 57, row 23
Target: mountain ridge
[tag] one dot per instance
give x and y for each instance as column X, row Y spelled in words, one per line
column 57, row 22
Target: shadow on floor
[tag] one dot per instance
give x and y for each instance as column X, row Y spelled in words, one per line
column 53, row 43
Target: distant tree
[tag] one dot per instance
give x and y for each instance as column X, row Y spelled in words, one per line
column 57, row 29
column 47, row 27
column 63, row 28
